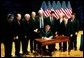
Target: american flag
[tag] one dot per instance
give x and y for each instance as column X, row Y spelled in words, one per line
column 69, row 9
column 58, row 8
column 44, row 8
column 66, row 9
column 49, row 7
column 54, row 8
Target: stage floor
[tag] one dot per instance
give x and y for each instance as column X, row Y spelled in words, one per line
column 73, row 53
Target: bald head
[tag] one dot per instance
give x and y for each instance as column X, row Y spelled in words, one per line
column 40, row 12
column 18, row 17
column 27, row 17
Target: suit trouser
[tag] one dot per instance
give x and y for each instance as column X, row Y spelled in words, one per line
column 64, row 46
column 73, row 42
column 17, row 46
column 60, row 44
column 8, row 48
column 33, row 43
column 24, row 45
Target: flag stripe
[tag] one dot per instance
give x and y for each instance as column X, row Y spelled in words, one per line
column 58, row 8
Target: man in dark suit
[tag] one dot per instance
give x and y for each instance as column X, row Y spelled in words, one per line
column 66, row 31
column 8, row 35
column 73, row 31
column 26, row 33
column 34, row 34
column 17, row 33
column 33, row 21
column 60, row 27
column 41, row 20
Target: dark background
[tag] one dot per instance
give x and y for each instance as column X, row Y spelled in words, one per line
column 26, row 6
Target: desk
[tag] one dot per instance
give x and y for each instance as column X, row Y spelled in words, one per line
column 57, row 39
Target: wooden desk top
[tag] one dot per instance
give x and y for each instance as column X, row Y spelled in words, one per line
column 57, row 39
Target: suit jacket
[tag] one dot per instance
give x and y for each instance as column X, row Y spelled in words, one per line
column 67, row 28
column 38, row 21
column 43, row 33
column 48, row 21
column 17, row 28
column 60, row 27
column 56, row 25
column 74, row 26
column 26, row 28
column 7, row 34
column 34, row 23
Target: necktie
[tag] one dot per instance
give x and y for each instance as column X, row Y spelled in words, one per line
column 41, row 23
column 51, row 20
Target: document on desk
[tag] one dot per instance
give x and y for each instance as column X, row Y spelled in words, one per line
column 45, row 38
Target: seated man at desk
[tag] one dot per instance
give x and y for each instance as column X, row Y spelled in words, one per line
column 47, row 34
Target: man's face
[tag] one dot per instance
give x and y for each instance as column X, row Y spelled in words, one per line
column 11, row 18
column 18, row 17
column 47, row 27
column 61, row 15
column 52, row 15
column 33, row 14
column 73, row 16
column 41, row 13
column 65, row 18
column 27, row 17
